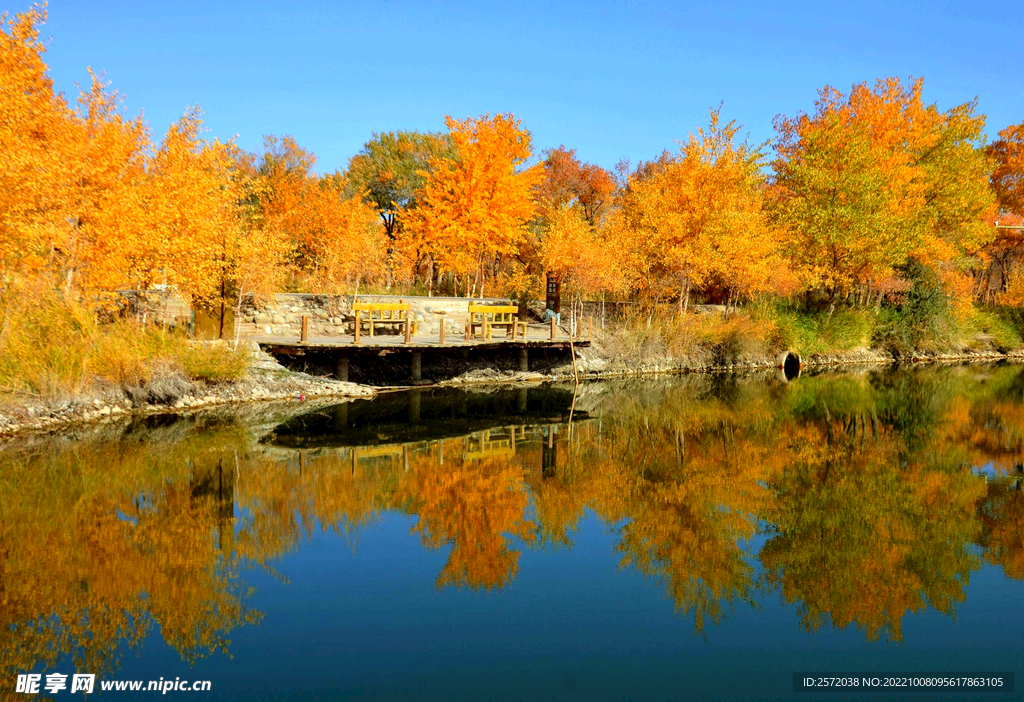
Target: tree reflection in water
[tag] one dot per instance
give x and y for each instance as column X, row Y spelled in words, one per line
column 872, row 495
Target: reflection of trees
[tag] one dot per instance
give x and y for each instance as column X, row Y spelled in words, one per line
column 1002, row 519
column 858, row 539
column 474, row 505
column 866, row 486
column 104, row 539
column 287, row 500
column 686, row 481
column 675, row 534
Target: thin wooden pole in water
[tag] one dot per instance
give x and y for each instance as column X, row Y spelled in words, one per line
column 575, row 373
column 572, row 407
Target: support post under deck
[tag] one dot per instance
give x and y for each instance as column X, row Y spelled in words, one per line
column 341, row 369
column 417, row 366
column 524, row 360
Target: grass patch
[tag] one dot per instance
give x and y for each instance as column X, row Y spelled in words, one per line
column 999, row 328
column 216, row 363
column 815, row 332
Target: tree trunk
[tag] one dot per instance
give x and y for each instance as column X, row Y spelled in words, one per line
column 238, row 315
column 223, row 306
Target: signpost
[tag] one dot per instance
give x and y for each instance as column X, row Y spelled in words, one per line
column 554, row 294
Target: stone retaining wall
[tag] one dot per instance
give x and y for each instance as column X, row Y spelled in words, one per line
column 282, row 315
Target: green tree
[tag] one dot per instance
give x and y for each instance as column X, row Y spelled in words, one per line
column 391, row 169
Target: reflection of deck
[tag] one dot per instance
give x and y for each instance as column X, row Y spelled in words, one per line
column 490, row 443
column 500, row 442
column 424, row 415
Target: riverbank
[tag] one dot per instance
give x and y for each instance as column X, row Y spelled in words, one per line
column 266, row 381
column 593, row 364
column 263, row 381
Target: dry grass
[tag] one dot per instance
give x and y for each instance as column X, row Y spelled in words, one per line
column 702, row 338
column 52, row 347
column 760, row 332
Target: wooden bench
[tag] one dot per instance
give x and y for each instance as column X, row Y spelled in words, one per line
column 392, row 315
column 486, row 317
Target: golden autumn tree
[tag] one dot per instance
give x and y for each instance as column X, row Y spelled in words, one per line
column 349, row 246
column 877, row 176
column 36, row 133
column 475, row 206
column 254, row 259
column 697, row 217
column 1003, row 255
column 569, row 181
column 106, row 177
column 1008, row 175
column 336, row 238
column 88, row 203
column 190, row 202
column 282, row 173
column 577, row 254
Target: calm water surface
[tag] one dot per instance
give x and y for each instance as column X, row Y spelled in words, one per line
column 699, row 537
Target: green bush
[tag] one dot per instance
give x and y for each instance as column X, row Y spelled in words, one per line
column 921, row 321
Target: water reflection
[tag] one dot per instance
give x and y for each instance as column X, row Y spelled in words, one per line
column 859, row 498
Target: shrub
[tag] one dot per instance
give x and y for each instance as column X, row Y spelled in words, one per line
column 212, row 363
column 921, row 320
column 815, row 331
column 52, row 347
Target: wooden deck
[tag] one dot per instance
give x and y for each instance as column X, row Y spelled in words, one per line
column 293, row 345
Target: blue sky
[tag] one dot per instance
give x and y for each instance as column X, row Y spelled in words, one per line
column 613, row 80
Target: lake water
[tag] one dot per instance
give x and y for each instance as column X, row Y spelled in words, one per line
column 705, row 536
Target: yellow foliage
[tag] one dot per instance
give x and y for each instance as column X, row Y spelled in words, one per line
column 698, row 217
column 475, row 206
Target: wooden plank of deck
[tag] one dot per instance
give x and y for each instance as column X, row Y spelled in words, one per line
column 397, row 343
